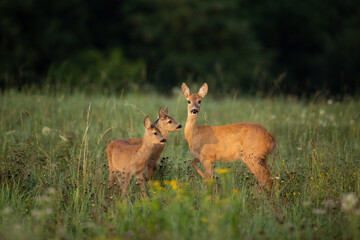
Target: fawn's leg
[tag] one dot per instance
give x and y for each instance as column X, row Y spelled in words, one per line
column 150, row 169
column 125, row 183
column 194, row 163
column 142, row 184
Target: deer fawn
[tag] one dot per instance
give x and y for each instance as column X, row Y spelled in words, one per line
column 165, row 124
column 247, row 141
column 129, row 159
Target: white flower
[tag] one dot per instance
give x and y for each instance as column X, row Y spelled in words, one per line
column 7, row 210
column 46, row 131
column 63, row 138
column 319, row 211
column 348, row 202
column 329, row 204
column 51, row 190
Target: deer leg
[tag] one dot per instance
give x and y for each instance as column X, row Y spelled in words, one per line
column 150, row 169
column 111, row 178
column 194, row 163
column 125, row 183
column 208, row 169
column 142, row 184
column 261, row 171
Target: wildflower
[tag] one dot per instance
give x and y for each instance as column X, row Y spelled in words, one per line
column 209, row 180
column 204, row 220
column 155, row 183
column 10, row 132
column 51, row 190
column 329, row 101
column 348, row 202
column 46, row 131
column 329, row 204
column 318, row 211
column 221, row 170
column 307, row 203
column 36, row 213
column 7, row 210
column 173, row 184
column 63, row 138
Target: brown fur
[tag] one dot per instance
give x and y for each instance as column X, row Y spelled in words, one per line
column 165, row 124
column 126, row 158
column 247, row 141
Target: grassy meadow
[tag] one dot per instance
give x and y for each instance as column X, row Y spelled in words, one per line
column 54, row 174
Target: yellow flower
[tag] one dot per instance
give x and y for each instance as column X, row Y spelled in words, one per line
column 209, row 180
column 204, row 220
column 155, row 183
column 221, row 170
column 173, row 184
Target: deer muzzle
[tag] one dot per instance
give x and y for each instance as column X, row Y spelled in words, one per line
column 194, row 111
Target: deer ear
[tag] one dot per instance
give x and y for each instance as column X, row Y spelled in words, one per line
column 161, row 113
column 166, row 110
column 147, row 122
column 185, row 90
column 203, row 90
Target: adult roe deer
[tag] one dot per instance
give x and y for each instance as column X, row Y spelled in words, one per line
column 247, row 141
column 130, row 159
column 165, row 124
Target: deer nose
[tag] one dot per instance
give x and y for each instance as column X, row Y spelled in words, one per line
column 194, row 111
column 179, row 126
column 163, row 140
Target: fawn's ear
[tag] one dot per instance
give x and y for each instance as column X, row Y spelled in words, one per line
column 161, row 113
column 203, row 90
column 166, row 110
column 147, row 122
column 185, row 90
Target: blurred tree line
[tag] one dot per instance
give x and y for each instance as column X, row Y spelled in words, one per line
column 249, row 46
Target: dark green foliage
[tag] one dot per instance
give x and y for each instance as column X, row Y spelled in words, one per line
column 249, row 46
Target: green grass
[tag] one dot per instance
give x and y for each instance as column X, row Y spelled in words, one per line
column 54, row 174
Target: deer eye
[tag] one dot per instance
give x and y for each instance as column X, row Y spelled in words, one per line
column 170, row 121
column 199, row 101
column 155, row 133
column 188, row 102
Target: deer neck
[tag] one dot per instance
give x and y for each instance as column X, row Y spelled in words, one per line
column 191, row 127
column 144, row 151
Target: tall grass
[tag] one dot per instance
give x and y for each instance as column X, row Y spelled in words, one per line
column 54, row 171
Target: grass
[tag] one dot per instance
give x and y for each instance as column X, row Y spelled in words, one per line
column 54, row 171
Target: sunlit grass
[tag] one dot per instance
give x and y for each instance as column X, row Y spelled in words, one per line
column 54, row 175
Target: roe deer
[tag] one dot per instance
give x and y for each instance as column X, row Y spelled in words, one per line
column 130, row 159
column 247, row 141
column 165, row 124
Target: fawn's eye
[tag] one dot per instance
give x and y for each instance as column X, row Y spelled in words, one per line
column 155, row 133
column 199, row 101
column 188, row 102
column 170, row 121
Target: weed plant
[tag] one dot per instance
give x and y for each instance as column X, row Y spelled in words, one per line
column 54, row 174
